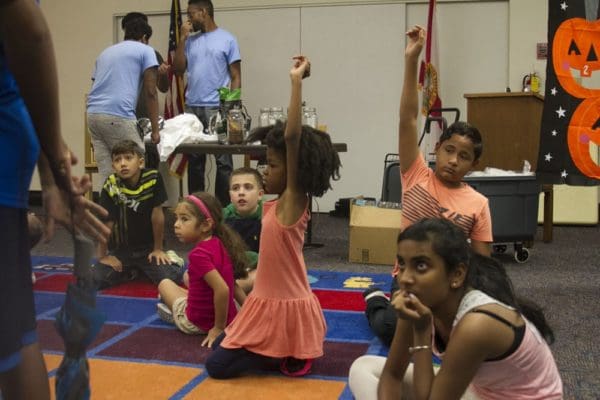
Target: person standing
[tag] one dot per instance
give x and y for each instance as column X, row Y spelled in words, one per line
column 120, row 71
column 29, row 122
column 211, row 57
column 141, row 111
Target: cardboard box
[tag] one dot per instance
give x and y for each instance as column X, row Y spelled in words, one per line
column 373, row 233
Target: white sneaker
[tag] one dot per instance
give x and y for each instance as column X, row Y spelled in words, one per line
column 164, row 312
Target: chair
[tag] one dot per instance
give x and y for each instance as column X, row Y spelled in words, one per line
column 391, row 189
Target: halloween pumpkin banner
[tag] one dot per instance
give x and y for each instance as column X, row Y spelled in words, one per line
column 570, row 133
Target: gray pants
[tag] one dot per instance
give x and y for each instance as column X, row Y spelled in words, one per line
column 106, row 131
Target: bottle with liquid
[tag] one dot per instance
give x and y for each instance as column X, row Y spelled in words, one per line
column 263, row 118
column 309, row 117
column 276, row 114
column 235, row 126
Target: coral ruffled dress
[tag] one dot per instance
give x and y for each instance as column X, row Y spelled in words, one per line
column 281, row 317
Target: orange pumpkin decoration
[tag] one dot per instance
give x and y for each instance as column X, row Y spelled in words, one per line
column 573, row 49
column 582, row 134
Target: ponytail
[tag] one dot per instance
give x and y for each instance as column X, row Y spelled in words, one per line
column 236, row 248
column 489, row 276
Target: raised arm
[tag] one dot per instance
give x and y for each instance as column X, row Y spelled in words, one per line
column 180, row 61
column 408, row 148
column 293, row 200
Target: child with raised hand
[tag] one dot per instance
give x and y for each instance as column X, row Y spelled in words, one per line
column 428, row 193
column 218, row 258
column 244, row 215
column 281, row 322
column 460, row 306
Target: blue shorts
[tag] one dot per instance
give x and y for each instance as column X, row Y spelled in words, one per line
column 17, row 308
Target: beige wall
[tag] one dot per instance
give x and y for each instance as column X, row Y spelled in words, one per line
column 82, row 29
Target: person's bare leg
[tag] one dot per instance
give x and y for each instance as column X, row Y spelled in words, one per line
column 170, row 291
column 29, row 379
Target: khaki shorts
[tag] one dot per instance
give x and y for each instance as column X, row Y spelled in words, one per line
column 180, row 319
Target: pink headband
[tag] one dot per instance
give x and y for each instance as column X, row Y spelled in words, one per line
column 200, row 205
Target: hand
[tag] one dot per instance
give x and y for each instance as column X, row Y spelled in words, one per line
column 416, row 38
column 186, row 29
column 155, row 137
column 74, row 212
column 410, row 308
column 60, row 163
column 163, row 69
column 160, row 256
column 113, row 262
column 301, row 67
column 211, row 336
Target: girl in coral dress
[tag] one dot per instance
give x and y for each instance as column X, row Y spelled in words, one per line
column 281, row 323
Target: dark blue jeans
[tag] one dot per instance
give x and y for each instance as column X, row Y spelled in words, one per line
column 134, row 265
column 382, row 316
column 229, row 363
column 197, row 162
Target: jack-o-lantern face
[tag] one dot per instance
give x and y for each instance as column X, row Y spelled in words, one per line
column 576, row 54
column 584, row 132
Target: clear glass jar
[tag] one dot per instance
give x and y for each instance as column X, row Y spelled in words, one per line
column 309, row 117
column 263, row 117
column 276, row 114
column 235, row 126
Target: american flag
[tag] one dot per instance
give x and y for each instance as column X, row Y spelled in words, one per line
column 177, row 162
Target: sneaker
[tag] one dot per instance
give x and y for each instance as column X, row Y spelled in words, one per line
column 373, row 292
column 164, row 312
column 295, row 367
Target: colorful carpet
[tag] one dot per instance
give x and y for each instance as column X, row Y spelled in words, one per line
column 136, row 355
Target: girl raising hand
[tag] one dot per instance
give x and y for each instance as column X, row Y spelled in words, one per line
column 281, row 324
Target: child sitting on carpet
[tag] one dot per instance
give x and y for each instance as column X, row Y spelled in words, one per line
column 133, row 196
column 281, row 322
column 244, row 215
column 207, row 306
column 427, row 193
column 461, row 307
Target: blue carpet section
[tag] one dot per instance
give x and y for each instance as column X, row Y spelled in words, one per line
column 132, row 320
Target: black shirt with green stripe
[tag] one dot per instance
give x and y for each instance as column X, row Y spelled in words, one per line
column 130, row 208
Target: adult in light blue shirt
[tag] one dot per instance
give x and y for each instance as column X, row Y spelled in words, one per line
column 211, row 57
column 118, row 75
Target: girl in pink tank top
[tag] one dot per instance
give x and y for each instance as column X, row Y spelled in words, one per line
column 460, row 306
column 281, row 324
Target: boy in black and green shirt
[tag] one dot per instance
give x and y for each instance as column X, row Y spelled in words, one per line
column 133, row 197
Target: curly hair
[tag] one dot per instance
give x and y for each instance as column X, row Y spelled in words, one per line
column 236, row 247
column 318, row 162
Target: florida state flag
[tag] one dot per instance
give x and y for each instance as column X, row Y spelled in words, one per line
column 571, row 118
